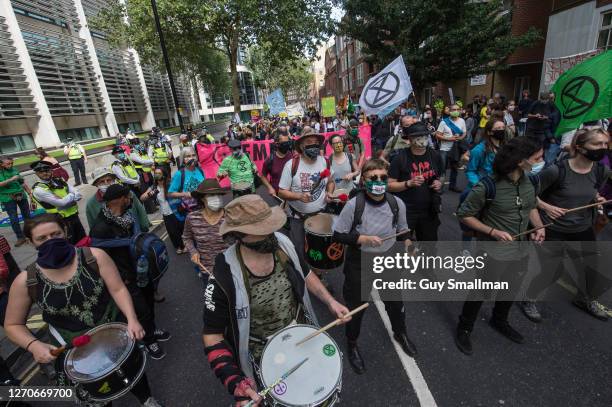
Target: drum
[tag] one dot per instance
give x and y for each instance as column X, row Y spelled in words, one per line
column 335, row 206
column 109, row 365
column 317, row 382
column 242, row 188
column 319, row 250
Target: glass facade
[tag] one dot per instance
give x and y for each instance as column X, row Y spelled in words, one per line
column 15, row 144
column 87, row 133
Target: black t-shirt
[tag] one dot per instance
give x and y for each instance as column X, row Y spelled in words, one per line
column 122, row 257
column 406, row 166
column 539, row 126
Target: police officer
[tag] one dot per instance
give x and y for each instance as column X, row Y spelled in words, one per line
column 160, row 152
column 125, row 171
column 56, row 196
column 78, row 159
column 144, row 167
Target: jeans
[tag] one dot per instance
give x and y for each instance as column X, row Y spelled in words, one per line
column 551, row 153
column 452, row 183
column 78, row 169
column 11, row 209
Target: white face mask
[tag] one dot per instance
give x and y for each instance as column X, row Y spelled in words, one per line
column 214, row 202
column 103, row 188
column 420, row 142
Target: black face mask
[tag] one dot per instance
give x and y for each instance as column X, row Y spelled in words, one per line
column 284, row 147
column 267, row 245
column 313, row 151
column 55, row 253
column 498, row 134
column 190, row 162
column 594, row 155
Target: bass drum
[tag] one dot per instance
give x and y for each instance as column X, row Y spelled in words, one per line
column 109, row 365
column 317, row 383
column 320, row 251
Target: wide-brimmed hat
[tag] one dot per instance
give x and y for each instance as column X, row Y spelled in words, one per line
column 308, row 131
column 41, row 166
column 101, row 172
column 210, row 186
column 251, row 215
column 416, row 130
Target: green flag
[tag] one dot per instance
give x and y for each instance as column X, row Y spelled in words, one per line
column 584, row 93
column 351, row 107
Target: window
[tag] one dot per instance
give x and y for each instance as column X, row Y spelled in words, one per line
column 358, row 47
column 344, row 84
column 14, row 144
column 87, row 133
column 163, row 123
column 604, row 41
column 360, row 78
column 350, row 56
column 134, row 126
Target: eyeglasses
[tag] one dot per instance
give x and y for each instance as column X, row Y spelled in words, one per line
column 378, row 178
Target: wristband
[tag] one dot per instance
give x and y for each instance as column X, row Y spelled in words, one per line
column 406, row 184
column 491, row 231
column 31, row 342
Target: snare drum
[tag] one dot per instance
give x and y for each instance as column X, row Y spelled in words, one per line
column 317, row 382
column 109, row 365
column 242, row 188
column 335, row 206
column 320, row 251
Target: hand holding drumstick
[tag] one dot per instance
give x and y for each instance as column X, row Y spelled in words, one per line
column 195, row 258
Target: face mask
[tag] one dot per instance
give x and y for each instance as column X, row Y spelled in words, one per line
column 594, row 155
column 420, row 142
column 190, row 162
column 511, row 108
column 376, row 187
column 284, row 147
column 214, row 203
column 103, row 188
column 427, row 116
column 354, row 132
column 121, row 156
column 158, row 177
column 267, row 245
column 237, row 153
column 455, row 114
column 312, row 152
column 498, row 134
column 55, row 253
column 537, row 167
column 338, row 148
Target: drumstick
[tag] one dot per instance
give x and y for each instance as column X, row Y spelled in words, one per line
column 76, row 342
column 277, row 381
column 281, row 200
column 568, row 211
column 333, row 323
column 395, row 235
column 202, row 267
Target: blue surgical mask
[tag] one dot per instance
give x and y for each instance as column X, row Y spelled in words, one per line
column 537, row 167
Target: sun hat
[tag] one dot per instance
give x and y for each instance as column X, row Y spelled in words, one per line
column 210, row 186
column 99, row 173
column 251, row 215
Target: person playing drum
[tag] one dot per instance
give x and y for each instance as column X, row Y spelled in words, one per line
column 76, row 289
column 254, row 293
column 363, row 223
column 239, row 168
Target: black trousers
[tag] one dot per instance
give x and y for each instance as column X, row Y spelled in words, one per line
column 424, row 225
column 510, row 271
column 144, row 305
column 352, row 296
column 175, row 227
column 75, row 228
column 78, row 169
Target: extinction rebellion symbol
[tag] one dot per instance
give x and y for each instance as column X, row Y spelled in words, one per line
column 578, row 96
column 382, row 90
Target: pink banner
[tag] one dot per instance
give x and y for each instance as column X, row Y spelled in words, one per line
column 212, row 155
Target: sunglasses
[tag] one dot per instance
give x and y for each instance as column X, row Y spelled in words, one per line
column 378, row 178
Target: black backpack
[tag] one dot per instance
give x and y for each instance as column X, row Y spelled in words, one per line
column 360, row 207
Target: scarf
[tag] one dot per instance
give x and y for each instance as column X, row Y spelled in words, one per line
column 125, row 221
column 456, row 130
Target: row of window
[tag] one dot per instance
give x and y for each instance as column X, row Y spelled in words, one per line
column 604, row 40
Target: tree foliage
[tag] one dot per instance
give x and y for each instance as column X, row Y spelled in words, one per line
column 291, row 27
column 440, row 40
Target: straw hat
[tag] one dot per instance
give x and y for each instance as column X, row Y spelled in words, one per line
column 251, row 215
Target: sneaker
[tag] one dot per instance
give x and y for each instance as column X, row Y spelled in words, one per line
column 20, row 242
column 151, row 402
column 155, row 351
column 504, row 328
column 161, row 335
column 530, row 310
column 592, row 307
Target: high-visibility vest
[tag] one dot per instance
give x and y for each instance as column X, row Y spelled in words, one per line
column 160, row 155
column 128, row 169
column 144, row 168
column 60, row 193
column 74, row 153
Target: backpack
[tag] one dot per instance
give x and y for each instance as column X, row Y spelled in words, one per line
column 360, row 207
column 155, row 251
column 32, row 283
column 491, row 190
column 600, row 177
column 295, row 163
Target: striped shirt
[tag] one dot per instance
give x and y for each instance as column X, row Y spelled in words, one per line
column 201, row 237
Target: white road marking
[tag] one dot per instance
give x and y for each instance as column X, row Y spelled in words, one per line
column 415, row 376
column 164, row 236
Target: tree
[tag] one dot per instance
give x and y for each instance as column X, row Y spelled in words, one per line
column 291, row 27
column 440, row 40
column 271, row 71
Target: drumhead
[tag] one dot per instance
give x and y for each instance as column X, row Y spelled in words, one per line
column 320, row 224
column 316, row 380
column 340, row 191
column 109, row 346
column 241, row 186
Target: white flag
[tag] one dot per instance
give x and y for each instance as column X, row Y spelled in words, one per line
column 387, row 89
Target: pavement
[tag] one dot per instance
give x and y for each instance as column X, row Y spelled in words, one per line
column 565, row 360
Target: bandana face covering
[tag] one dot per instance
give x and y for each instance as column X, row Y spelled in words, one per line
column 55, row 254
column 267, row 245
column 376, row 187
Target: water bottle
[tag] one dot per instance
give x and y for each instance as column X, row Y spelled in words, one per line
column 142, row 271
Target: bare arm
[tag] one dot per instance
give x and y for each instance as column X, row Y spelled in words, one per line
column 314, row 285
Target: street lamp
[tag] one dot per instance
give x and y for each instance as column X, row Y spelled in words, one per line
column 162, row 43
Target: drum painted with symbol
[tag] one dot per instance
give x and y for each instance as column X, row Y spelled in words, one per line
column 109, row 365
column 316, row 383
column 320, row 251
